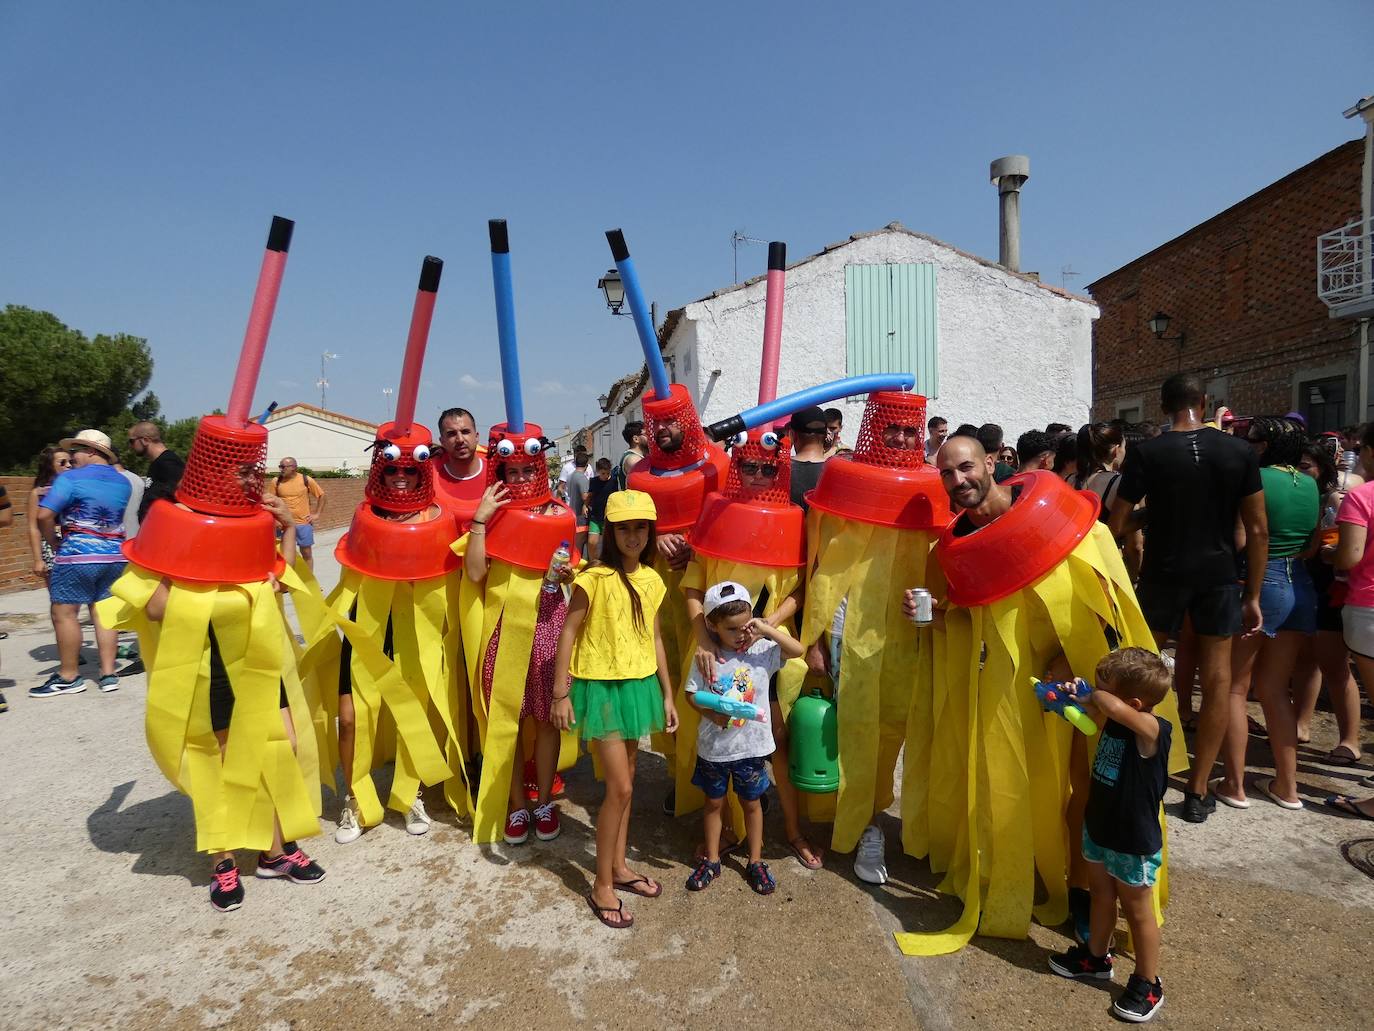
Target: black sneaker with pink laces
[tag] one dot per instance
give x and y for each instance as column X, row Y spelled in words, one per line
column 226, row 890
column 292, row 863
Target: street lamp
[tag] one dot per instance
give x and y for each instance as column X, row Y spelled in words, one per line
column 386, row 401
column 614, row 288
column 1159, row 325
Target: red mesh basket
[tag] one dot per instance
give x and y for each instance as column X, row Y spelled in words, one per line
column 764, row 449
column 675, row 410
column 881, row 483
column 225, row 468
column 893, row 431
column 506, row 448
column 404, row 451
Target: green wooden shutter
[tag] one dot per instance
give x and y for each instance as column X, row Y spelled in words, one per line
column 890, row 322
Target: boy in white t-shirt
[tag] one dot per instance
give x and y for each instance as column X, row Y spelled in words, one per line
column 733, row 750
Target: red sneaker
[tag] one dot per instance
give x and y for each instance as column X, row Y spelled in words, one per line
column 546, row 823
column 518, row 827
column 532, row 783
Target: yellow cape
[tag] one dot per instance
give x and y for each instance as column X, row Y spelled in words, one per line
column 870, row 566
column 986, row 781
column 236, row 796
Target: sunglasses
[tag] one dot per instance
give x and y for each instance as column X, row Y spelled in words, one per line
column 392, row 470
column 758, row 469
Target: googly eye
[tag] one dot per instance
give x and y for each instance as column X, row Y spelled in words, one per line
column 391, row 452
column 421, row 453
column 505, row 448
column 533, row 446
column 769, row 440
column 740, row 439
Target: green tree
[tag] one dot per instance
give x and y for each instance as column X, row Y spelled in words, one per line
column 57, row 381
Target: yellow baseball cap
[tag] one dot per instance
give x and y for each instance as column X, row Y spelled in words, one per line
column 624, row 505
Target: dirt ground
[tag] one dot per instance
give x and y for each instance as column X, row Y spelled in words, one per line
column 106, row 922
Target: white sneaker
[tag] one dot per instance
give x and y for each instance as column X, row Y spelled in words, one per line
column 417, row 820
column 868, row 861
column 348, row 829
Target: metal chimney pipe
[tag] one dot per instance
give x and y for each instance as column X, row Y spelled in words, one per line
column 1009, row 174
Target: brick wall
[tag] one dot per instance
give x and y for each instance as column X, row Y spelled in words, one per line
column 1242, row 288
column 15, row 561
column 14, row 541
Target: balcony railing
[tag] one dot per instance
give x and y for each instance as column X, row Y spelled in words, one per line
column 1345, row 270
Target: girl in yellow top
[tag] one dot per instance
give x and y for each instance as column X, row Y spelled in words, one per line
column 620, row 688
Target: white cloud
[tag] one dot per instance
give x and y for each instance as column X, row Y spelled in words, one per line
column 555, row 388
column 470, row 381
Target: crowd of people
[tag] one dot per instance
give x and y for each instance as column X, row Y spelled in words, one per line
column 1242, row 539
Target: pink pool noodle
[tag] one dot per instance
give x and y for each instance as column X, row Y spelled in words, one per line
column 420, row 318
column 259, row 321
column 772, row 323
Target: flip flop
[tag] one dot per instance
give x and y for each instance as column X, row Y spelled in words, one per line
column 816, row 853
column 1341, row 755
column 1346, row 804
column 1266, row 788
column 1255, row 728
column 1234, row 803
column 630, row 887
column 618, row 909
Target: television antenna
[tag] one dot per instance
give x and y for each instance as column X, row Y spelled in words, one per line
column 1066, row 273
column 323, row 381
column 737, row 238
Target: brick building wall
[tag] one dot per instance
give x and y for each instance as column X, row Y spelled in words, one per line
column 1241, row 287
column 15, row 561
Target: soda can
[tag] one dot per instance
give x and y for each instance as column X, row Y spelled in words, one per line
column 925, row 607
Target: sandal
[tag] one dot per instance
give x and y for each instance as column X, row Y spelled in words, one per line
column 760, row 879
column 1266, row 788
column 703, row 875
column 816, row 853
column 621, row 922
column 1341, row 755
column 1347, row 805
column 725, row 849
column 643, row 893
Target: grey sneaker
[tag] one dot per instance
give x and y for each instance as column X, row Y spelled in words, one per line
column 55, row 685
column 869, row 864
column 109, row 682
column 417, row 820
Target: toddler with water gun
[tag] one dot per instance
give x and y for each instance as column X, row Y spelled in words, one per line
column 735, row 736
column 1122, row 839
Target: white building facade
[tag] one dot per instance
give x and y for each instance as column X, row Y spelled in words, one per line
column 319, row 439
column 986, row 344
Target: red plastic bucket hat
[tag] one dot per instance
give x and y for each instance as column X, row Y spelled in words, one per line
column 528, row 538
column 522, row 451
column 754, row 520
column 397, row 450
column 678, row 480
column 387, row 550
column 1048, row 520
column 205, row 549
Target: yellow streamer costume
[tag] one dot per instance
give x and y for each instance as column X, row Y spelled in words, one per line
column 414, row 694
column 996, row 765
column 234, row 797
column 870, row 566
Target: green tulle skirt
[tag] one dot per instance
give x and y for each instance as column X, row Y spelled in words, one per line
column 627, row 709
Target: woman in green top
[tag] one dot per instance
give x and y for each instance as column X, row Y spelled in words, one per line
column 1288, row 601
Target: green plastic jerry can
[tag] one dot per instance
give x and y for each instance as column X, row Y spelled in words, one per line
column 814, row 757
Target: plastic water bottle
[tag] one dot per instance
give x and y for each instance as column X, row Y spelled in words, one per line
column 562, row 559
column 1349, row 459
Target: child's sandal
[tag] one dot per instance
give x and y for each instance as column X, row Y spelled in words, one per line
column 760, row 879
column 703, row 875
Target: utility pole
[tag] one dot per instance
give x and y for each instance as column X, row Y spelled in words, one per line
column 323, row 382
column 386, row 401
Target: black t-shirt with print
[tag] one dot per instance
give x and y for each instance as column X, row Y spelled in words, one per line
column 1126, row 789
column 1192, row 483
column 164, row 476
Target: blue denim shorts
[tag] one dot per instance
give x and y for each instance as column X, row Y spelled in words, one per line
column 1288, row 598
column 749, row 775
column 79, row 583
column 1137, row 871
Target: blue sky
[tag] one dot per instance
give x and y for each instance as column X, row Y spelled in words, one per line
column 147, row 144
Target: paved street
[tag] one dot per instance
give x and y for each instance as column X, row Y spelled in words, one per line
column 107, row 922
